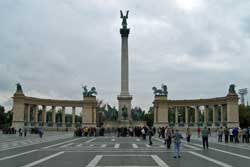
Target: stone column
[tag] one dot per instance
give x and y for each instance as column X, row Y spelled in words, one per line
column 28, row 115
column 176, row 117
column 205, row 115
column 18, row 110
column 53, row 116
column 232, row 110
column 186, row 116
column 73, row 116
column 196, row 116
column 89, row 111
column 35, row 115
column 44, row 116
column 63, row 116
column 214, row 116
column 124, row 99
column 222, row 115
column 156, row 113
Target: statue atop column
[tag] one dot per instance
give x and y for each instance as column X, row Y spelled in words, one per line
column 89, row 93
column 231, row 90
column 161, row 92
column 124, row 19
column 19, row 90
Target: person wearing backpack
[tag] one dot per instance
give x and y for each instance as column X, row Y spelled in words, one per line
column 177, row 143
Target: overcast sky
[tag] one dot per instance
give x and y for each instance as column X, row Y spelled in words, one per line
column 52, row 47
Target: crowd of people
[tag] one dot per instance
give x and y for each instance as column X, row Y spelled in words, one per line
column 234, row 135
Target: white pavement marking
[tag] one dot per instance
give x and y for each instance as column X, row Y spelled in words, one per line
column 25, row 145
column 159, row 161
column 90, row 140
column 195, row 148
column 117, row 146
column 17, row 155
column 210, row 159
column 104, row 145
column 134, row 145
column 91, row 145
column 66, row 145
column 113, row 140
column 79, row 145
column 61, row 143
column 162, row 146
column 95, row 161
column 226, row 152
column 43, row 159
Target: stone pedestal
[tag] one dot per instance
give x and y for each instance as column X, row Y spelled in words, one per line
column 160, row 111
column 232, row 111
column 124, row 102
column 18, row 110
column 89, row 111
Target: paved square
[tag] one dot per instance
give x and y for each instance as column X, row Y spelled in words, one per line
column 110, row 151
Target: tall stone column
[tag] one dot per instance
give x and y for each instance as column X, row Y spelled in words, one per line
column 73, row 117
column 124, row 99
column 196, row 116
column 28, row 115
column 63, row 116
column 35, row 115
column 176, row 117
column 205, row 115
column 53, row 116
column 44, row 116
column 186, row 116
column 222, row 115
column 214, row 116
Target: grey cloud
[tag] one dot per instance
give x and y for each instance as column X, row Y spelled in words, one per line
column 53, row 47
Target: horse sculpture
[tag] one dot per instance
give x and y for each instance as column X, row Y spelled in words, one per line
column 87, row 93
column 160, row 92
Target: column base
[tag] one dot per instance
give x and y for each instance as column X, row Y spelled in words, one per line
column 18, row 124
column 89, row 125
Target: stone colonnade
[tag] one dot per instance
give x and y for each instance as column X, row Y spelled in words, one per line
column 214, row 112
column 33, row 112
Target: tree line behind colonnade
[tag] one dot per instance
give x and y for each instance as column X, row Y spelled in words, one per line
column 111, row 113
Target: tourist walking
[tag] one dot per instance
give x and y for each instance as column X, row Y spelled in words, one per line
column 220, row 133
column 204, row 134
column 235, row 135
column 198, row 132
column 25, row 131
column 150, row 134
column 177, row 143
column 40, row 132
column 188, row 134
column 226, row 134
column 168, row 137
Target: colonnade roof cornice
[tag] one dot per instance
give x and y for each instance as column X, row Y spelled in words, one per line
column 52, row 102
column 195, row 102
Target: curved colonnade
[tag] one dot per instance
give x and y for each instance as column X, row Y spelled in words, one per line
column 213, row 112
column 31, row 111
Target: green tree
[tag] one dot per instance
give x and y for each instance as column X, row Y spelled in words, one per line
column 5, row 118
column 149, row 117
column 244, row 115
